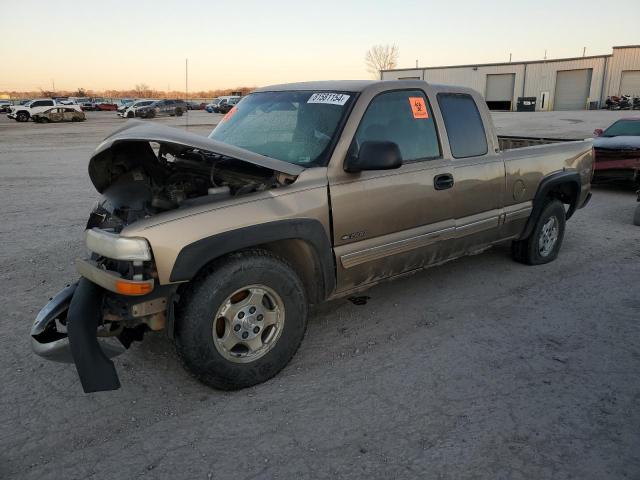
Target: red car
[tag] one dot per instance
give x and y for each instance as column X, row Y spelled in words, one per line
column 106, row 106
column 617, row 152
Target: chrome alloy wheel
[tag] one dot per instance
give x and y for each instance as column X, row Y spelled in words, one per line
column 548, row 236
column 248, row 323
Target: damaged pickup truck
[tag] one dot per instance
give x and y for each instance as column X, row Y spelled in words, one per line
column 302, row 193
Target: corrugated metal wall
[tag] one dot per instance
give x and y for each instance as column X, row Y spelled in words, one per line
column 473, row 77
column 540, row 76
column 624, row 58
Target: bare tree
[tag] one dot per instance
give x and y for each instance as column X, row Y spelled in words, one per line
column 142, row 90
column 381, row 57
column 80, row 92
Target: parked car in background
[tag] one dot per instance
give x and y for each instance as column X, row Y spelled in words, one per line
column 105, row 105
column 66, row 113
column 130, row 111
column 124, row 103
column 617, row 152
column 223, row 242
column 161, row 108
column 79, row 100
column 88, row 105
column 5, row 105
column 226, row 107
column 22, row 113
column 196, row 105
column 214, row 106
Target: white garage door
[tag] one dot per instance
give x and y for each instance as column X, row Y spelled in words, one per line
column 572, row 89
column 500, row 87
column 630, row 83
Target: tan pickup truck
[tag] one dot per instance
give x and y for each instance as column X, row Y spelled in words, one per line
column 302, row 193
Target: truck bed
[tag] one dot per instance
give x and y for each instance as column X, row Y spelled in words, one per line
column 508, row 142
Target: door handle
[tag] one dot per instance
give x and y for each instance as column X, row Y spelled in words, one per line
column 442, row 182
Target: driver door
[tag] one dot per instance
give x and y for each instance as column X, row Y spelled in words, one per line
column 389, row 222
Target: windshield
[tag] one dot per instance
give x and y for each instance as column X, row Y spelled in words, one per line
column 623, row 128
column 142, row 103
column 296, row 127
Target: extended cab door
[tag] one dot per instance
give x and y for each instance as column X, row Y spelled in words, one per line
column 391, row 221
column 478, row 171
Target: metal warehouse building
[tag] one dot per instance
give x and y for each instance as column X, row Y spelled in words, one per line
column 560, row 84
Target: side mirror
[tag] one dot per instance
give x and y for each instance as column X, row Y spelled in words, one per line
column 374, row 155
column 598, row 132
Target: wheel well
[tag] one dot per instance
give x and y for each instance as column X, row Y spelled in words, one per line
column 302, row 257
column 567, row 193
column 298, row 253
column 563, row 186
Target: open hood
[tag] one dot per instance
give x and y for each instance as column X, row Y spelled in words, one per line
column 138, row 133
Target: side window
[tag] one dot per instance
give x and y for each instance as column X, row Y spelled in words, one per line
column 463, row 122
column 405, row 118
column 37, row 104
column 47, row 103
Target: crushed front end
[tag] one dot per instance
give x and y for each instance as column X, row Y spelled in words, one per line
column 114, row 303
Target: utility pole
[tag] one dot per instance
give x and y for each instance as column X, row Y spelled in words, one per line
column 584, row 51
column 545, row 53
column 510, row 57
column 416, row 63
column 53, row 83
column 186, row 87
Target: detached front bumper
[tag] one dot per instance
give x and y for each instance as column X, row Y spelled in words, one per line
column 65, row 331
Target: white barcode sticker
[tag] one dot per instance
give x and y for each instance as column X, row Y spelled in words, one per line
column 329, row 98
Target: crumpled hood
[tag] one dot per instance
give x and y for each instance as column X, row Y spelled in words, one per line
column 617, row 143
column 139, row 132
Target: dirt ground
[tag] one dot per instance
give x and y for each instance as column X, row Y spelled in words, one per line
column 480, row 368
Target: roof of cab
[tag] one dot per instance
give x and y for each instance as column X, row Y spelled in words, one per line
column 359, row 86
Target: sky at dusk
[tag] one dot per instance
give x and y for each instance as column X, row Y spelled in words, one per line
column 117, row 44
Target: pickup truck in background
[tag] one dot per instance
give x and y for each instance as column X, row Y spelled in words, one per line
column 302, row 193
column 22, row 113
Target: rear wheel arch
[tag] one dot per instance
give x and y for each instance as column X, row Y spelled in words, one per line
column 303, row 243
column 563, row 186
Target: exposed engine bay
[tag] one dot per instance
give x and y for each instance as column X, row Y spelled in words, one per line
column 146, row 178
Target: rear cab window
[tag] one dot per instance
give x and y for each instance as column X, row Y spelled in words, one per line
column 405, row 118
column 465, row 129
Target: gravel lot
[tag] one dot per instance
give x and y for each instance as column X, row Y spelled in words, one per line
column 481, row 368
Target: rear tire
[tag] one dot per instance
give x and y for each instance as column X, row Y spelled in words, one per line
column 544, row 243
column 178, row 112
column 215, row 317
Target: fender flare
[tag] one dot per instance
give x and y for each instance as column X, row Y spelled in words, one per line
column 197, row 254
column 546, row 185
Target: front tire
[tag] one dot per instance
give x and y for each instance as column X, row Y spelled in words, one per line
column 242, row 321
column 22, row 117
column 544, row 243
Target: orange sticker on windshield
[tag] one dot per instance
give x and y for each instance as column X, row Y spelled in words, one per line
column 229, row 114
column 418, row 107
